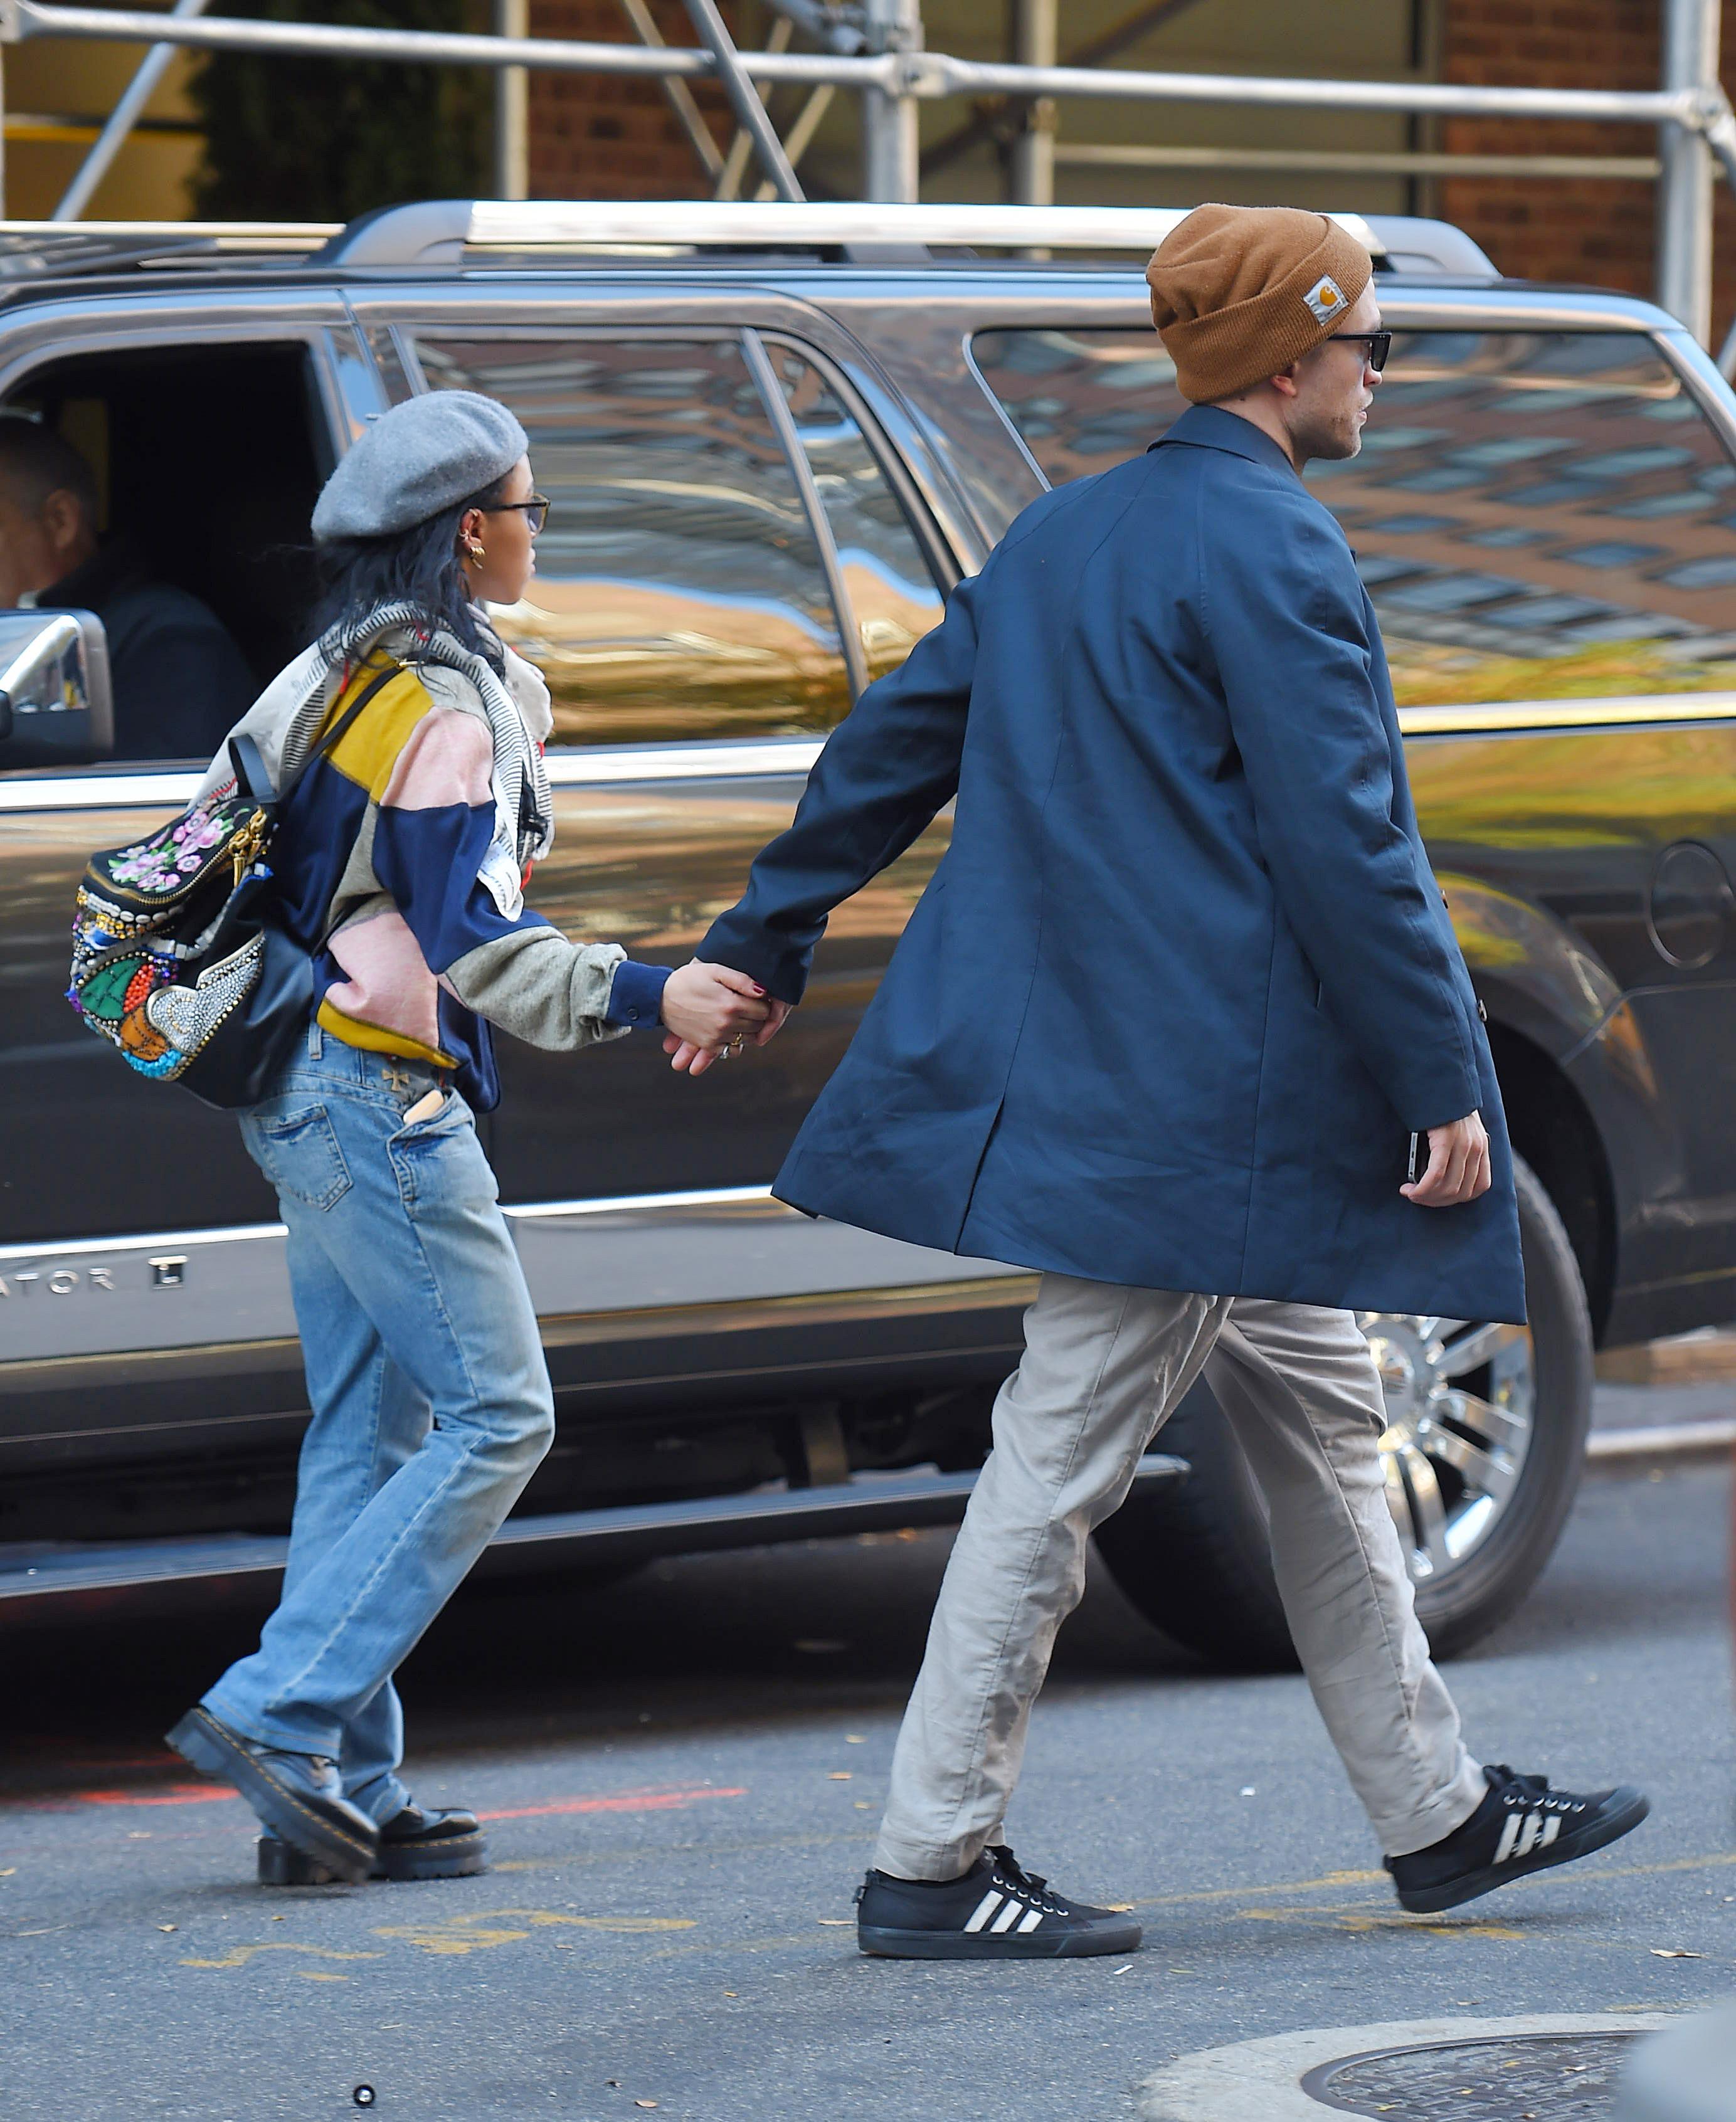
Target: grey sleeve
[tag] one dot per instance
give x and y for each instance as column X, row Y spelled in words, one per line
column 539, row 987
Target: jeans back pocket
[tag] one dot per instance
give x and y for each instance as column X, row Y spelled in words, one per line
column 299, row 1152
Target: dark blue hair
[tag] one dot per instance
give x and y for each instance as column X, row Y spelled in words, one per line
column 419, row 567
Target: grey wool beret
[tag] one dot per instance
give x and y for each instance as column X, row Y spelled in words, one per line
column 427, row 455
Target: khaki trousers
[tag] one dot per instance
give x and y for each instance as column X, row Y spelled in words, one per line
column 1102, row 1368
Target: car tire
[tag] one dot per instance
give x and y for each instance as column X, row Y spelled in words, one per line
column 1195, row 1558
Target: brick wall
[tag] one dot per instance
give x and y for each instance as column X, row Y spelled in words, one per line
column 601, row 136
column 1587, row 230
column 597, row 137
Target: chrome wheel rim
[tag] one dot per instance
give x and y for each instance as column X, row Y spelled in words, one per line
column 1461, row 1402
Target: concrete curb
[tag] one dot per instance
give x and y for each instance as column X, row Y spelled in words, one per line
column 1665, row 1440
column 1261, row 2081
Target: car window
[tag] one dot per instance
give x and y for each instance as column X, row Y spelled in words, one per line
column 679, row 590
column 202, row 605
column 1536, row 515
column 1540, row 515
column 1080, row 400
column 890, row 586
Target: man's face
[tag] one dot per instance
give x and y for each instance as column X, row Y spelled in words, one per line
column 1335, row 387
column 38, row 546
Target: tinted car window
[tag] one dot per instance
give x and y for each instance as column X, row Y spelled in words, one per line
column 891, row 588
column 679, row 593
column 1540, row 515
column 1082, row 401
column 1536, row 515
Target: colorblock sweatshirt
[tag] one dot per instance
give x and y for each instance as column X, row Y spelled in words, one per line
column 396, row 867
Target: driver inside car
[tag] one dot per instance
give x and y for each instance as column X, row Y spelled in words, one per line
column 179, row 680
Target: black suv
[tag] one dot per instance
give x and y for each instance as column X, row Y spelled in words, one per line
column 773, row 437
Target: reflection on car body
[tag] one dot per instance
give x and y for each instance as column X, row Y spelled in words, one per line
column 766, row 473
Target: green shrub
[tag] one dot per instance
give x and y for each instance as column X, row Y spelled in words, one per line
column 289, row 138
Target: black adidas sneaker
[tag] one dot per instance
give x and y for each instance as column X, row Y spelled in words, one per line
column 1522, row 1826
column 995, row 1912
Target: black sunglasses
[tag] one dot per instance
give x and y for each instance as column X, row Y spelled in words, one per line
column 536, row 508
column 1379, row 345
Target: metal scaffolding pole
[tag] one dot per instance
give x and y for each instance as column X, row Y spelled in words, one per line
column 889, row 112
column 513, row 107
column 744, row 98
column 1684, row 274
column 733, row 171
column 1690, row 108
column 1031, row 169
column 680, row 96
column 899, row 74
column 109, row 142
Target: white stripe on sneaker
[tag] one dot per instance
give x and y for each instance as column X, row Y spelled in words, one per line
column 1509, row 1835
column 1552, row 1828
column 985, row 1909
column 1030, row 1921
column 1527, row 1841
column 1008, row 1917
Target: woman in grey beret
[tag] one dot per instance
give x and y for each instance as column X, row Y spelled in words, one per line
column 400, row 855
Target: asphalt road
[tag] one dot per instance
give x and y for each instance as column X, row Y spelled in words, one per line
column 683, row 1772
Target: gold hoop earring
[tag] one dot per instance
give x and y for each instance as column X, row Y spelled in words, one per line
column 474, row 549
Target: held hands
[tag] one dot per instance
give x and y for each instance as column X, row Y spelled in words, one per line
column 1458, row 1166
column 708, row 1010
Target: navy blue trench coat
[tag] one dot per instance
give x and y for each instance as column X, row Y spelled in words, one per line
column 1183, row 984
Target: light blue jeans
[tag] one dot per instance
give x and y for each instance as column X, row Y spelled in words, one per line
column 431, row 1400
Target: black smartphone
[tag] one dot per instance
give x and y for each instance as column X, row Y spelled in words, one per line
column 1418, row 1163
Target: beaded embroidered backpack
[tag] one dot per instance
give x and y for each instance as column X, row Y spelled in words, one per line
column 174, row 961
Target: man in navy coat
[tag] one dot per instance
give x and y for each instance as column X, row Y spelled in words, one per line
column 1167, row 1024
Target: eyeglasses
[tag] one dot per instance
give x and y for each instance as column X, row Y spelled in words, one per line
column 536, row 509
column 1379, row 345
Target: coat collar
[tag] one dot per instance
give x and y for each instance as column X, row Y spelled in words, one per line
column 1211, row 428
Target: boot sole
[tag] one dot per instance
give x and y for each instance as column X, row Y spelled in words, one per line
column 282, row 1864
column 1472, row 1885
column 459, row 1857
column 975, row 1945
column 202, row 1742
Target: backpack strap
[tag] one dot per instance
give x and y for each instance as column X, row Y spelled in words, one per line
column 250, row 776
column 249, row 768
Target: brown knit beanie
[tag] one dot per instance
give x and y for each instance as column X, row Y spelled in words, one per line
column 1238, row 292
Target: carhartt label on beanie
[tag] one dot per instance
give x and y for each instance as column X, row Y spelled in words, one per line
column 1238, row 292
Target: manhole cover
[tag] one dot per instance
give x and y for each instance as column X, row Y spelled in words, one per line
column 1528, row 2078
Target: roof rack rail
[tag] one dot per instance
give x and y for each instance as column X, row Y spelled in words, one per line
column 230, row 235
column 447, row 231
column 33, row 252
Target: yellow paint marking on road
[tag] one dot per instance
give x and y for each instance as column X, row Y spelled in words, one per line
column 477, row 1933
column 439, row 1939
column 307, row 1975
column 243, row 1953
column 1242, row 1893
column 735, row 1945
column 1359, row 1916
column 1674, row 1864
column 1722, row 1858
column 663, row 1853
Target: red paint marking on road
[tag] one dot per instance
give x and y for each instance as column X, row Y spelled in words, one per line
column 668, row 1801
column 176, row 1794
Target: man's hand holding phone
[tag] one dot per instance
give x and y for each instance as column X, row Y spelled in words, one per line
column 1458, row 1170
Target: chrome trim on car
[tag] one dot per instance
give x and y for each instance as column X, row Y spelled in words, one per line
column 730, row 759
column 584, row 1260
column 744, row 758
column 68, row 1570
column 1535, row 715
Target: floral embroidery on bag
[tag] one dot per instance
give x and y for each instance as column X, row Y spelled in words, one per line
column 159, row 863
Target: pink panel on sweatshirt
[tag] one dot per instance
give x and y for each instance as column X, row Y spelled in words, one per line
column 389, row 985
column 447, row 758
